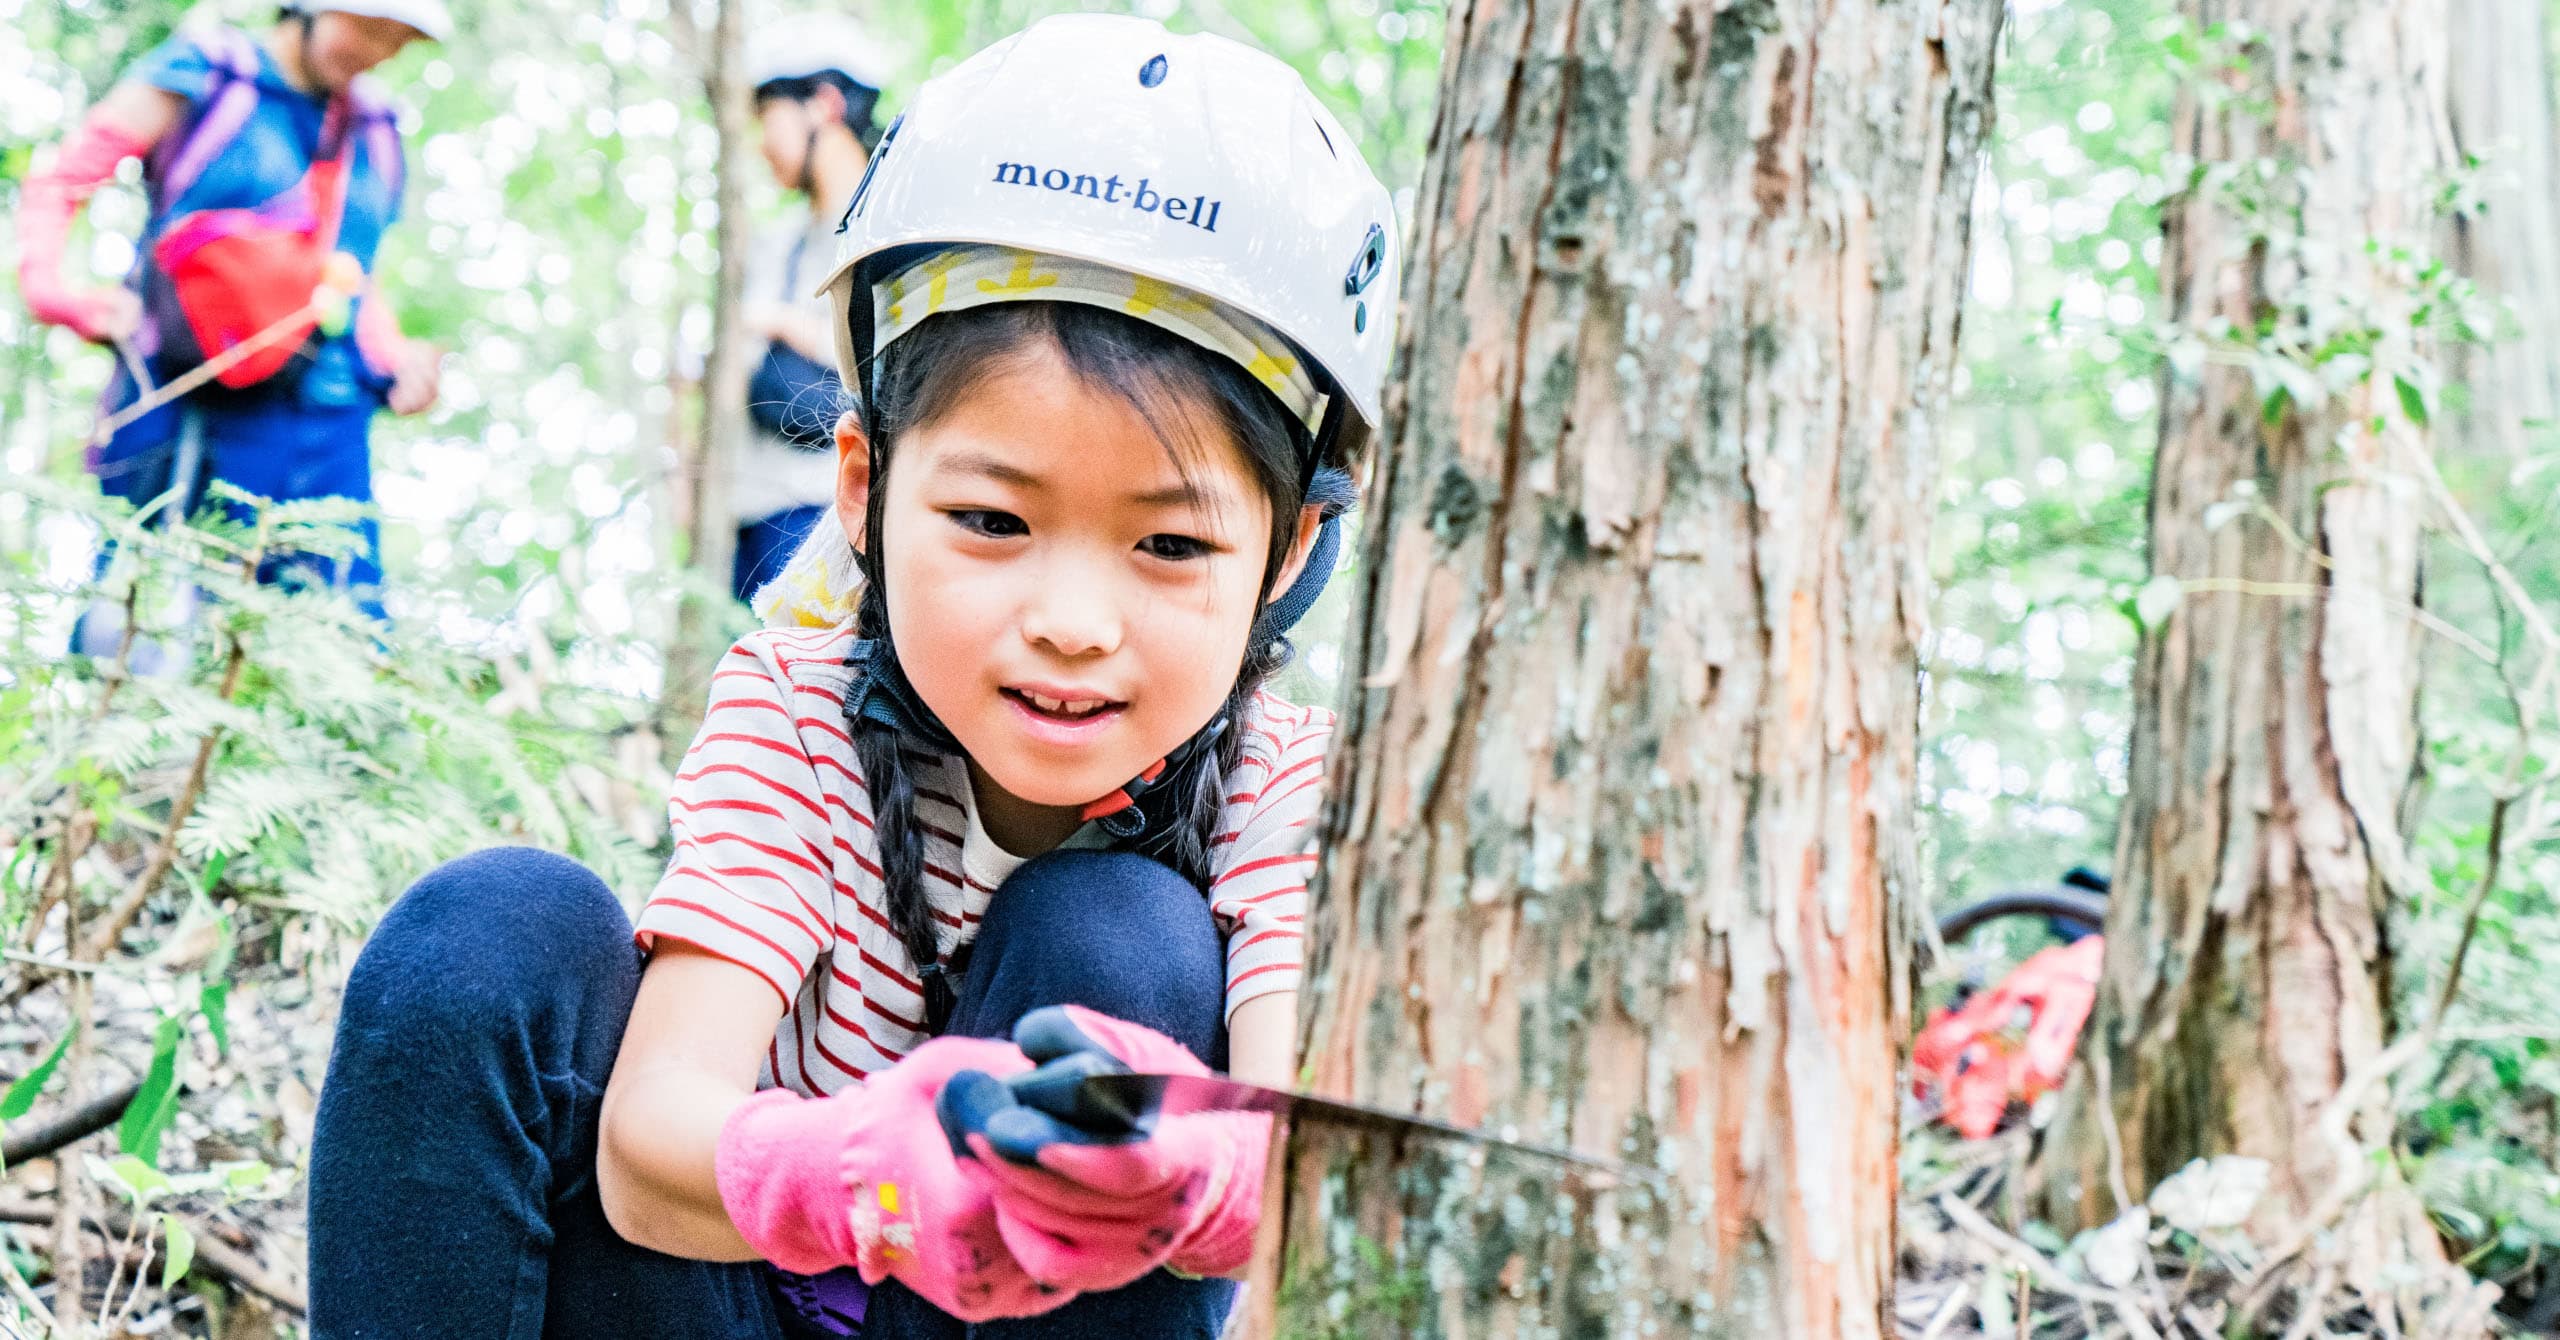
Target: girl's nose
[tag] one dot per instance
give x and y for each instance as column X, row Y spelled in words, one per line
column 1072, row 611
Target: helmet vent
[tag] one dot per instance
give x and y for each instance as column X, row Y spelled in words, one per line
column 1328, row 139
column 862, row 188
column 1366, row 265
column 1152, row 73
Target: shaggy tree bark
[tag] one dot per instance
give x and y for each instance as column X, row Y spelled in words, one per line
column 1620, row 853
column 2246, row 992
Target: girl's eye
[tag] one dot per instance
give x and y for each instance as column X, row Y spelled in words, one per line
column 1174, row 548
column 987, row 522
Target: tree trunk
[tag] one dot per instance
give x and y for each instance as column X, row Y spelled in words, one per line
column 2506, row 238
column 2246, row 991
column 1620, row 852
column 711, row 522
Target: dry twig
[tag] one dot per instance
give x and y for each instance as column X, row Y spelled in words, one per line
column 212, row 1253
column 2019, row 1255
column 164, row 854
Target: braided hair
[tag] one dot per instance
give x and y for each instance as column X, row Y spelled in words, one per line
column 1162, row 376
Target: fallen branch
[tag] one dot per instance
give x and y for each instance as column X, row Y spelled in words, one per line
column 212, row 1253
column 1954, row 1305
column 86, row 1120
column 2027, row 1259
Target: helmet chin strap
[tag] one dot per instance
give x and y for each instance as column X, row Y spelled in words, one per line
column 1333, row 492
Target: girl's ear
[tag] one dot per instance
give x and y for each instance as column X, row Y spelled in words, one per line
column 853, row 477
column 1310, row 523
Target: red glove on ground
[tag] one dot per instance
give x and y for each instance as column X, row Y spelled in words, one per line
column 867, row 1178
column 46, row 205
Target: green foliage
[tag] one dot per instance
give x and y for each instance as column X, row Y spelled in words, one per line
column 2038, row 542
column 2040, row 548
column 251, row 807
column 22, row 1095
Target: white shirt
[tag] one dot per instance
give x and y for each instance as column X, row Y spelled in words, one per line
column 770, row 475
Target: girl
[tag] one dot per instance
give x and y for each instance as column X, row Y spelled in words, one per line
column 226, row 123
column 1000, row 785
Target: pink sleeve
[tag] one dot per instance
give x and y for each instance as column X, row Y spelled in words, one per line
column 1259, row 894
column 378, row 335
column 752, row 877
column 47, row 203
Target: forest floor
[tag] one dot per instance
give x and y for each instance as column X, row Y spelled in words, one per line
column 2180, row 1267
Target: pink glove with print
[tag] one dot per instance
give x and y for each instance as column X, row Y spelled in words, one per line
column 1093, row 1211
column 867, row 1178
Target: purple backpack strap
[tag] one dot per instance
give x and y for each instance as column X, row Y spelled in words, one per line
column 380, row 125
column 227, row 107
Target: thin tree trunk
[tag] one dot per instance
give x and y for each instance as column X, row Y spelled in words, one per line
column 2507, row 237
column 2246, row 991
column 1620, row 854
column 711, row 531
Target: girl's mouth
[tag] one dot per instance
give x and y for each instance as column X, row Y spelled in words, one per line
column 1062, row 720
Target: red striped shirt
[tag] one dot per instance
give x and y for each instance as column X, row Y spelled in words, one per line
column 777, row 869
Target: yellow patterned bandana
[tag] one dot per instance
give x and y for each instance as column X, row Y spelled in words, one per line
column 960, row 278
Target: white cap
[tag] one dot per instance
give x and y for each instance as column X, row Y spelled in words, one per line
column 1192, row 160
column 802, row 46
column 432, row 20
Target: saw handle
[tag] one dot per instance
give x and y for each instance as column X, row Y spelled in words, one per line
column 1058, row 1089
column 1051, row 1104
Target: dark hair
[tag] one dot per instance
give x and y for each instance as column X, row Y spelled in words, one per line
column 859, row 102
column 1175, row 385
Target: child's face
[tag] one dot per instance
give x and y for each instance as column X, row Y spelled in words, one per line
column 783, row 129
column 343, row 46
column 1068, row 603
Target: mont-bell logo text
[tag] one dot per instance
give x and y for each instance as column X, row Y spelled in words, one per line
column 1197, row 210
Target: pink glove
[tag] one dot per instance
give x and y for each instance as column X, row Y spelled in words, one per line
column 867, row 1178
column 1093, row 1216
column 46, row 205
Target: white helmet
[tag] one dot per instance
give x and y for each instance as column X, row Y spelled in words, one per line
column 802, row 46
column 432, row 20
column 1192, row 160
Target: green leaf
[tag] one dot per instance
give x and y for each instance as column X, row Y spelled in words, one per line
column 181, row 1250
column 2414, row 400
column 213, row 1001
column 21, row 1097
column 155, row 1104
column 139, row 1181
column 215, row 997
column 2271, row 410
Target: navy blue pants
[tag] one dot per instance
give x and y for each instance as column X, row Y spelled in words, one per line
column 282, row 447
column 453, row 1169
column 766, row 544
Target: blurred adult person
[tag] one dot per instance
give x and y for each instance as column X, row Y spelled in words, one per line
column 273, row 165
column 817, row 81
